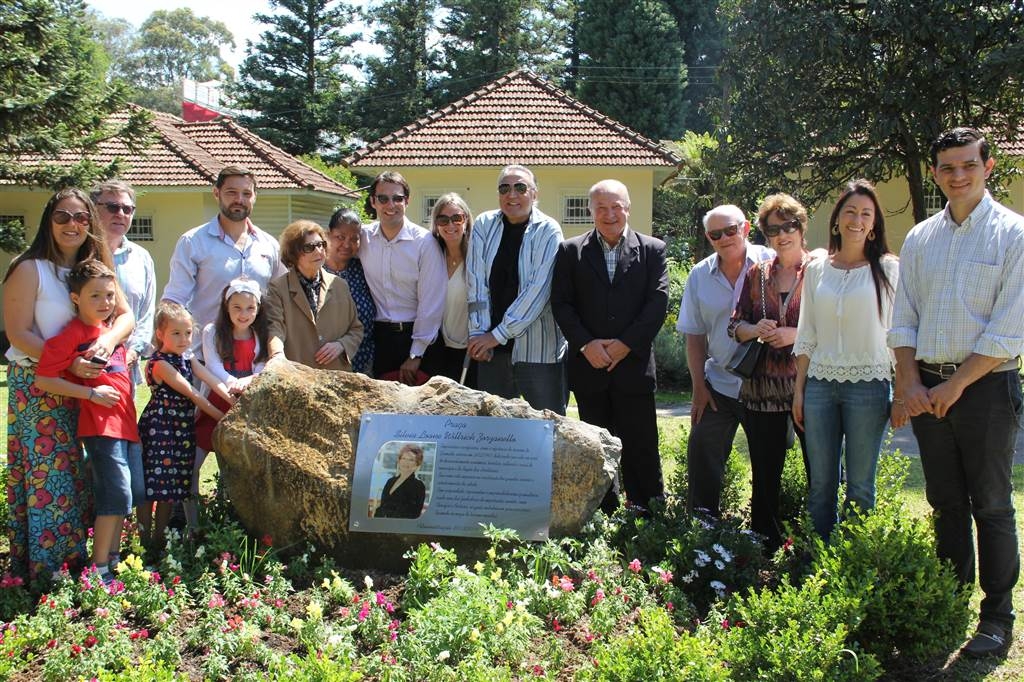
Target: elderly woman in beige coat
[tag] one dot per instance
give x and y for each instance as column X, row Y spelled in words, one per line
column 311, row 314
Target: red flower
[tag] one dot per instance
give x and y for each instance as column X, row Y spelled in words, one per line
column 725, row 623
column 267, row 540
column 90, row 641
column 787, row 545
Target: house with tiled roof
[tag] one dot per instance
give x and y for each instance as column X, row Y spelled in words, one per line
column 174, row 176
column 520, row 118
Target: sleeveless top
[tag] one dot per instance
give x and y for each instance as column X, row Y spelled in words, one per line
column 53, row 309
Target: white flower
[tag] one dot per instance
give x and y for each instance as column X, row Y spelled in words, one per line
column 722, row 552
column 702, row 558
column 719, row 565
column 444, row 655
column 200, row 551
column 368, row 581
column 717, row 586
column 688, row 578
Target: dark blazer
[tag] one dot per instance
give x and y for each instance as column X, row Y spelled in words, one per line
column 405, row 503
column 588, row 306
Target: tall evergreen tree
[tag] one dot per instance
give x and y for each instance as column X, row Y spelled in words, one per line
column 632, row 67
column 484, row 40
column 703, row 33
column 294, row 78
column 399, row 84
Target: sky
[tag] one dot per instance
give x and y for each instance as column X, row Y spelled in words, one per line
column 235, row 14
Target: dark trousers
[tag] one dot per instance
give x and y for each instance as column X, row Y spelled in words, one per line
column 633, row 419
column 441, row 360
column 391, row 347
column 769, row 437
column 967, row 458
column 708, row 449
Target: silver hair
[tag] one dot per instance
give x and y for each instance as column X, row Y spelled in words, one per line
column 724, row 210
column 519, row 169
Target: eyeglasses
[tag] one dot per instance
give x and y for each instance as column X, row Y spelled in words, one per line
column 519, row 187
column 445, row 220
column 385, row 199
column 114, row 208
column 789, row 227
column 61, row 217
column 313, row 246
column 727, row 231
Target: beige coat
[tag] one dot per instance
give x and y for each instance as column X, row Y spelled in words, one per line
column 291, row 320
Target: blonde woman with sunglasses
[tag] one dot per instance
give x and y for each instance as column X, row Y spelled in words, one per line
column 450, row 224
column 45, row 473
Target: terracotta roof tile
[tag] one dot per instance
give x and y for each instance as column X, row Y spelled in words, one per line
column 191, row 154
column 519, row 118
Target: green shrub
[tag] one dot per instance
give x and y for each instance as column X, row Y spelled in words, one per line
column 654, row 651
column 735, row 492
column 670, row 345
column 793, row 492
column 792, row 634
column 914, row 609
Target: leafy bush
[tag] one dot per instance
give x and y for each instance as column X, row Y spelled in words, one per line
column 654, row 651
column 914, row 608
column 670, row 345
column 735, row 492
column 793, row 634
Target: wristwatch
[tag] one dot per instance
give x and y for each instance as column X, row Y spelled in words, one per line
column 413, row 356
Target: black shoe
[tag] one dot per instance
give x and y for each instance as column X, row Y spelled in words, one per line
column 988, row 640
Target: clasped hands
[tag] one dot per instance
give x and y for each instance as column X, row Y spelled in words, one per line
column 915, row 400
column 775, row 336
column 605, row 353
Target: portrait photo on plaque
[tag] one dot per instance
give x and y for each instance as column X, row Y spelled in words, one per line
column 403, row 475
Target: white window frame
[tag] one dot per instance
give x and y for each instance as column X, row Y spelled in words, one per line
column 934, row 202
column 141, row 229
column 576, row 209
column 429, row 200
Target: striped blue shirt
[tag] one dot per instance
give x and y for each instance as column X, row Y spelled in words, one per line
column 528, row 320
column 960, row 286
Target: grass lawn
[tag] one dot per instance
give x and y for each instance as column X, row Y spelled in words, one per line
column 674, row 426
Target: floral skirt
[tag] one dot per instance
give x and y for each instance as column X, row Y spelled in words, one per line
column 46, row 481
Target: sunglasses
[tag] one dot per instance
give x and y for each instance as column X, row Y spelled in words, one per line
column 789, row 227
column 444, row 220
column 114, row 208
column 385, row 199
column 728, row 231
column 519, row 187
column 61, row 217
column 313, row 246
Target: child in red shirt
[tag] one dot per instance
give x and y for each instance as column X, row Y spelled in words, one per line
column 106, row 424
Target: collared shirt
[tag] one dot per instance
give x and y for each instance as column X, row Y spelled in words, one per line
column 960, row 286
column 529, row 319
column 707, row 306
column 611, row 253
column 407, row 278
column 205, row 260
column 137, row 277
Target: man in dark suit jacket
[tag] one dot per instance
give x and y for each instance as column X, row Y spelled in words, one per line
column 609, row 296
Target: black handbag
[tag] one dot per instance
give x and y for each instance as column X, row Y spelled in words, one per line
column 744, row 358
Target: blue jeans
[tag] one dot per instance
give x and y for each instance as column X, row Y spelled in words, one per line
column 833, row 410
column 117, row 479
column 542, row 384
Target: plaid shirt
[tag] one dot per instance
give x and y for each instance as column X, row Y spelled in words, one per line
column 960, row 287
column 611, row 253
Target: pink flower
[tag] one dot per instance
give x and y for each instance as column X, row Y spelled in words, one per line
column 363, row 612
column 90, row 641
column 669, row 606
column 666, row 576
column 140, row 634
column 381, row 599
column 635, row 566
column 598, row 597
column 216, row 601
column 566, row 584
column 725, row 623
column 538, row 670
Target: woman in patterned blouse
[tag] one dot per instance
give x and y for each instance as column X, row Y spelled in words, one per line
column 343, row 235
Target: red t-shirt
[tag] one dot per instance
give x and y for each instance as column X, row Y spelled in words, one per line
column 118, row 421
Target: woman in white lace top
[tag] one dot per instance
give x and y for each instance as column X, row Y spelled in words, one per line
column 842, row 394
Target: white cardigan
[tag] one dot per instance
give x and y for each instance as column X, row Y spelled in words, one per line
column 215, row 364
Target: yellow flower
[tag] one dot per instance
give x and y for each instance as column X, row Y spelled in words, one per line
column 500, row 627
column 478, row 567
column 491, row 553
column 315, row 610
column 125, row 604
column 474, row 635
column 496, row 574
column 296, row 623
column 507, row 620
column 326, row 584
column 145, row 575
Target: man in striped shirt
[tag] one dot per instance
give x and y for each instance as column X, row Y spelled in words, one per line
column 512, row 332
column 957, row 332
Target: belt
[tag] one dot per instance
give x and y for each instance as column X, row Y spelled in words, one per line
column 945, row 370
column 393, row 326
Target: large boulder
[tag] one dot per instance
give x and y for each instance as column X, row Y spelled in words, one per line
column 286, row 452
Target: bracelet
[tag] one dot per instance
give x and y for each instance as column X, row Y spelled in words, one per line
column 92, row 394
column 897, row 401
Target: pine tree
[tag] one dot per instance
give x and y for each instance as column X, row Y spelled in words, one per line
column 398, row 86
column 294, row 78
column 633, row 68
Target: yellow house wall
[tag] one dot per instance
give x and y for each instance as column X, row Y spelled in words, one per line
column 478, row 187
column 173, row 212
